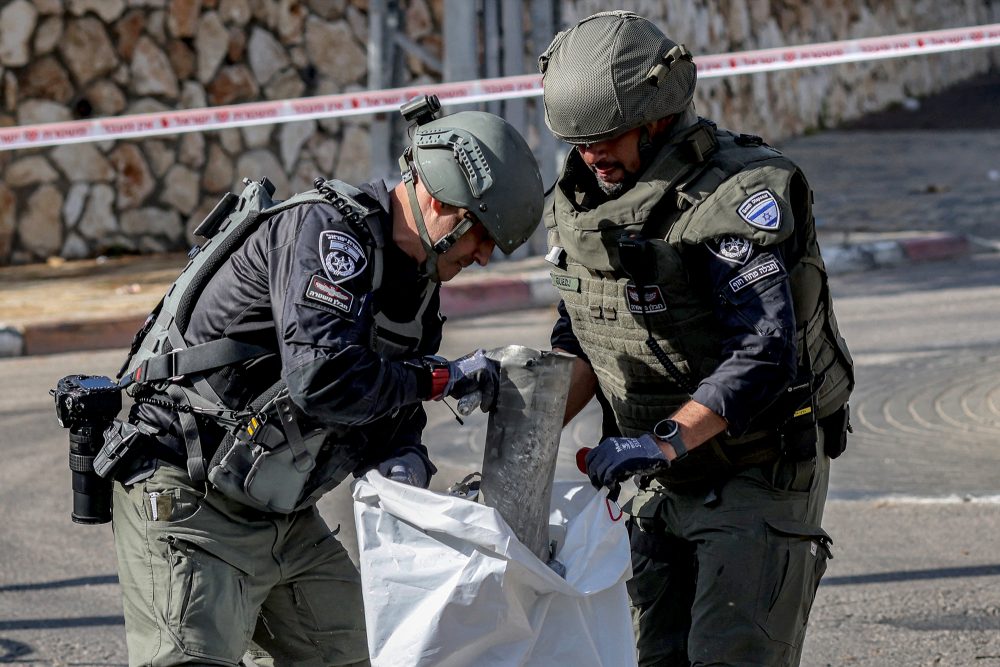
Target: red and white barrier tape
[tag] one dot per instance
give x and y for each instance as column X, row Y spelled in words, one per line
column 483, row 90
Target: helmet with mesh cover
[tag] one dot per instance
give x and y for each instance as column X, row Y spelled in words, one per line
column 612, row 72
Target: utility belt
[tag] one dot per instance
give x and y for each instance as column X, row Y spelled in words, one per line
column 644, row 509
column 717, row 460
column 271, row 462
column 795, row 440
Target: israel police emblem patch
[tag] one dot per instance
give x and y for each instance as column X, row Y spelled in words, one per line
column 343, row 257
column 732, row 249
column 761, row 210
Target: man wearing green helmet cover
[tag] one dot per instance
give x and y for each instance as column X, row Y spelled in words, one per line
column 695, row 297
column 307, row 353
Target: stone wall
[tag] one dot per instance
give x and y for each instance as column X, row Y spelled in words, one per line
column 70, row 59
column 781, row 104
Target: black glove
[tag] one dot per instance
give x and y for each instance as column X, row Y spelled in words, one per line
column 474, row 373
column 411, row 468
column 617, row 459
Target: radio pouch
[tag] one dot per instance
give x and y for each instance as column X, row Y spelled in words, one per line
column 267, row 463
column 799, row 433
column 835, row 429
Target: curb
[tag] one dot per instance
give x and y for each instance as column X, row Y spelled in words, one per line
column 851, row 258
column 487, row 295
column 484, row 296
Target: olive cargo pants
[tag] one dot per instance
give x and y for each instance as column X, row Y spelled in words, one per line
column 733, row 572
column 205, row 580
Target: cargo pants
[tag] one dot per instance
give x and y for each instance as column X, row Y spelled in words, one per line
column 205, row 580
column 727, row 576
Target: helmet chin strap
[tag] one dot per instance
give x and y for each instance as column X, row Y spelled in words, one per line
column 429, row 267
column 433, row 249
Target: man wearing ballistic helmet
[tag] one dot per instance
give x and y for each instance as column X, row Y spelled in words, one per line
column 696, row 300
column 339, row 298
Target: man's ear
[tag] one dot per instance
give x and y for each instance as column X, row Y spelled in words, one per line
column 437, row 206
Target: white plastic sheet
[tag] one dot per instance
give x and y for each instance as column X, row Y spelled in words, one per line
column 446, row 582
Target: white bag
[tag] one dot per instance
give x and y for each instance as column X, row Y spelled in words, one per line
column 446, row 582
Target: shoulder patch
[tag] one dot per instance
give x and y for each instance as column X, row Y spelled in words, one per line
column 731, row 249
column 322, row 291
column 649, row 300
column 343, row 257
column 761, row 210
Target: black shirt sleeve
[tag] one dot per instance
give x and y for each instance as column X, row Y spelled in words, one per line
column 320, row 287
column 562, row 333
column 753, row 305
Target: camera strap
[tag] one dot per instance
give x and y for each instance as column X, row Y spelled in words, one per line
column 195, row 359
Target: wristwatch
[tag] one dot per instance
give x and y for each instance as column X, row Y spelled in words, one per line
column 670, row 431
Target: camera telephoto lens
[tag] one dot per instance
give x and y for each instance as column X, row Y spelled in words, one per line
column 91, row 494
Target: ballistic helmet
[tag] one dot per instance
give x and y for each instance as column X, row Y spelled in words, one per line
column 478, row 161
column 613, row 72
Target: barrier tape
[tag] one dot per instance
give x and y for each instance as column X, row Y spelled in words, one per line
column 471, row 92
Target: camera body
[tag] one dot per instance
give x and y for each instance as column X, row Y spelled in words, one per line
column 86, row 405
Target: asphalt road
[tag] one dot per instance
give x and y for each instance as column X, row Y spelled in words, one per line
column 914, row 511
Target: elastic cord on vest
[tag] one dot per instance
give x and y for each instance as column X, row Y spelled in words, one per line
column 675, row 373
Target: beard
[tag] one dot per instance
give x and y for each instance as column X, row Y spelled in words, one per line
column 613, row 190
column 610, row 189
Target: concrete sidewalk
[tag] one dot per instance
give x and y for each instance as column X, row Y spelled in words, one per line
column 100, row 304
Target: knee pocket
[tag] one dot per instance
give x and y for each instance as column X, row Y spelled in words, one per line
column 208, row 604
column 796, row 556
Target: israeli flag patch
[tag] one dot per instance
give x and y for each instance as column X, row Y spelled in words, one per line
column 761, row 210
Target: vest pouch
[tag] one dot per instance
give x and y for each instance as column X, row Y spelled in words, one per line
column 835, row 429
column 275, row 481
column 798, row 438
column 267, row 477
column 799, row 432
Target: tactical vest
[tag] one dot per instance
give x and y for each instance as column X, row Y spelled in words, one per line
column 267, row 430
column 688, row 195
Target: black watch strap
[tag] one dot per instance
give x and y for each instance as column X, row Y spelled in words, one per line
column 669, row 431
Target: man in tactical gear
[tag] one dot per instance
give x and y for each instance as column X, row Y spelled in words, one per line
column 330, row 310
column 696, row 300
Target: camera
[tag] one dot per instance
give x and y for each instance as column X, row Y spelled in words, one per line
column 86, row 405
column 421, row 110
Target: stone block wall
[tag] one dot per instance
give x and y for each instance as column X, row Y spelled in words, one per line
column 69, row 59
column 782, row 104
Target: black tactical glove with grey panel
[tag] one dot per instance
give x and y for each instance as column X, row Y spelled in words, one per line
column 411, row 467
column 473, row 379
